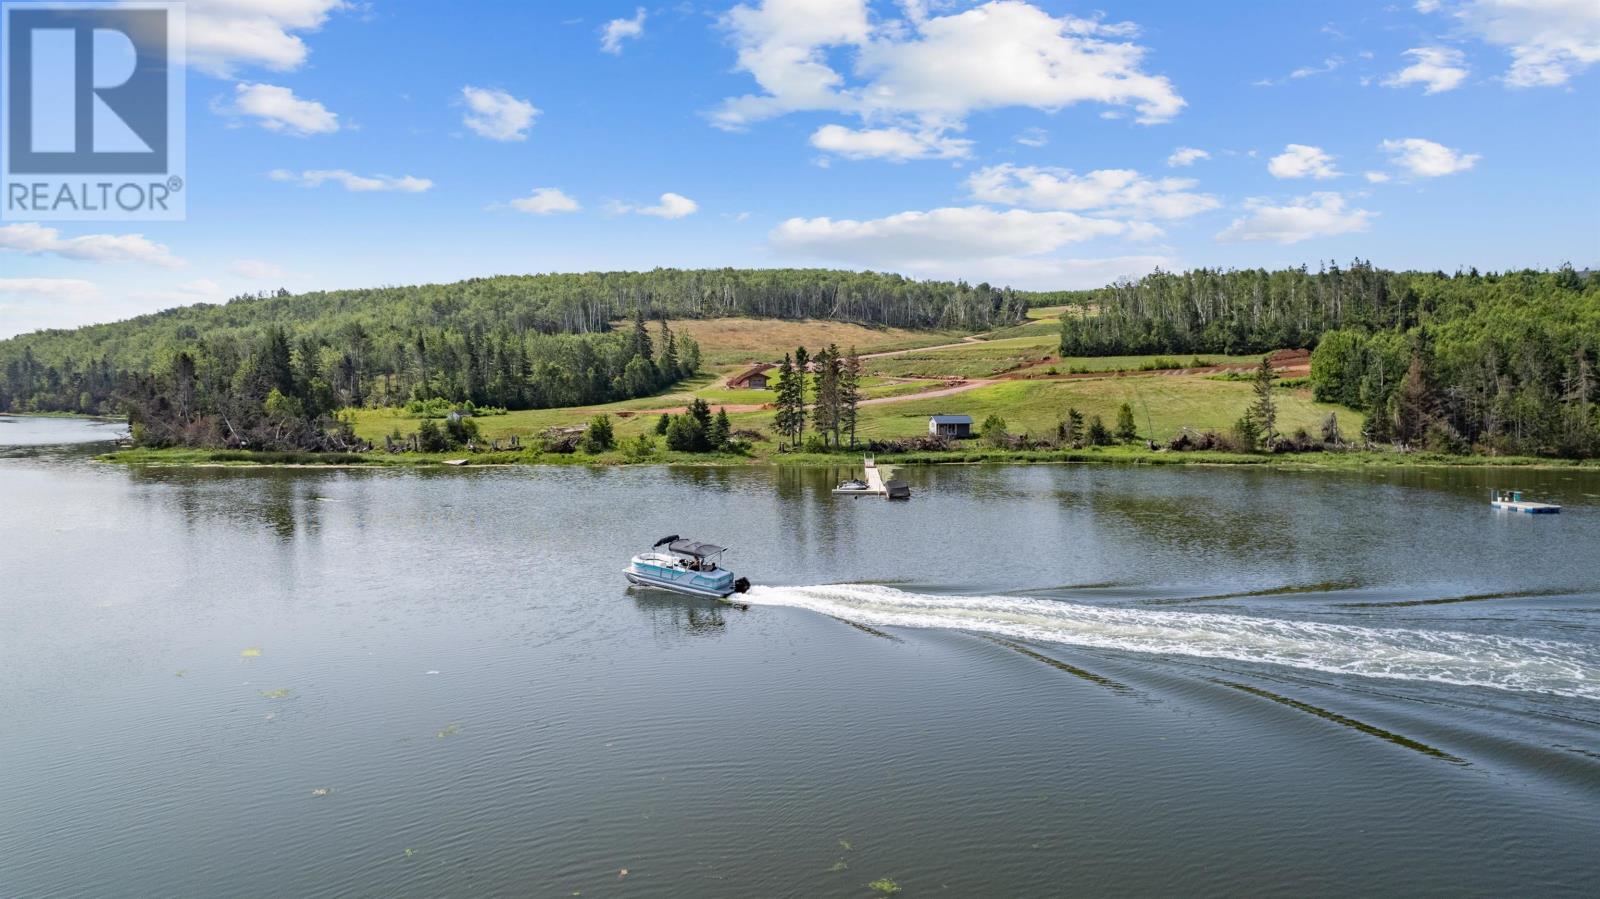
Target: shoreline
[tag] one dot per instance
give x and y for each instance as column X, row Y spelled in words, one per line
column 1114, row 455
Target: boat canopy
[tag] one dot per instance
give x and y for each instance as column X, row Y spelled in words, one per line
column 696, row 549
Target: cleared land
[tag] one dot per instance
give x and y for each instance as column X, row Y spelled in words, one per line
column 731, row 341
column 938, row 373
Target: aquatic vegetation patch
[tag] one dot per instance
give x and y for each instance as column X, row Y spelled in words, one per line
column 884, row 886
column 1351, row 723
column 449, row 730
column 280, row 693
column 253, row 652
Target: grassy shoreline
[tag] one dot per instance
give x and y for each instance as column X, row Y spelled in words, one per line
column 1112, row 455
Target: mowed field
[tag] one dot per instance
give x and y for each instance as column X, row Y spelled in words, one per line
column 732, row 341
column 1164, row 402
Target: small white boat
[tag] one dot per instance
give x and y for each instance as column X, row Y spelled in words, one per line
column 1512, row 501
column 685, row 566
column 853, row 486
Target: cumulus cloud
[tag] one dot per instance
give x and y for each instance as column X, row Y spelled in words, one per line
column 1376, row 177
column 1322, row 214
column 1426, row 159
column 974, row 242
column 951, row 233
column 545, row 201
column 893, row 144
column 933, row 70
column 1438, row 69
column 496, row 114
column 256, row 270
column 671, row 206
column 1184, row 157
column 618, row 30
column 1550, row 41
column 1302, row 161
column 351, row 181
column 30, row 304
column 1119, row 193
column 33, row 239
column 223, row 35
column 278, row 109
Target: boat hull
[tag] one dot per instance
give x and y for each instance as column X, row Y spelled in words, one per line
column 687, row 583
column 1526, row 508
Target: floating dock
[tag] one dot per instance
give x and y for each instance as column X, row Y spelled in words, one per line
column 876, row 485
column 1512, row 501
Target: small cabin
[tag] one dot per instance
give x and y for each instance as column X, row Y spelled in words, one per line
column 955, row 427
column 752, row 378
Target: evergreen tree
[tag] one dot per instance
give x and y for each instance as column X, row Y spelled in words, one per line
column 1413, row 402
column 662, row 423
column 1098, row 434
column 599, row 436
column 1264, row 409
column 1074, row 427
column 825, row 410
column 717, row 435
column 849, row 393
column 1126, row 429
column 669, row 365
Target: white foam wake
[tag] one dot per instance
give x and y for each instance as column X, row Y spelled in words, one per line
column 1510, row 663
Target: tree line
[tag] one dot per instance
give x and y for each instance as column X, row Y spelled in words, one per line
column 826, row 388
column 1503, row 363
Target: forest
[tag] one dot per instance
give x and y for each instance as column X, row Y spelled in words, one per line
column 203, row 374
column 1501, row 363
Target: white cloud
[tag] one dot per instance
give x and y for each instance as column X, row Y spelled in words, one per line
column 893, row 144
column 1033, row 137
column 1120, row 193
column 1549, row 40
column 971, row 242
column 545, row 201
column 226, row 34
column 618, row 30
column 671, row 206
column 256, row 270
column 278, row 109
column 1376, row 177
column 1302, row 161
column 951, row 233
column 1438, row 68
column 1186, row 156
column 1318, row 215
column 932, row 71
column 1426, row 159
column 496, row 114
column 31, row 304
column 34, row 239
column 201, row 290
column 1328, row 65
column 352, row 181
column 66, row 289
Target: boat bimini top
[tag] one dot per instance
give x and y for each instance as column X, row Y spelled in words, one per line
column 692, row 548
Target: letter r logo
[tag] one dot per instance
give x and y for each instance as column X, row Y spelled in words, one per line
column 86, row 90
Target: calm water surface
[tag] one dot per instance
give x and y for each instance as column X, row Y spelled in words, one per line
column 1027, row 681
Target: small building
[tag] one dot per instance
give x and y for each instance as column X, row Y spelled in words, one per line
column 752, row 378
column 956, row 427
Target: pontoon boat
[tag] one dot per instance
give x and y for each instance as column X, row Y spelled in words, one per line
column 686, row 566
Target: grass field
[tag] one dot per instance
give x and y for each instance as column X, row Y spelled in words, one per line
column 1163, row 403
column 734, row 341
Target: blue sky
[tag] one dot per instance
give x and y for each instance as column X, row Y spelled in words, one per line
column 1036, row 144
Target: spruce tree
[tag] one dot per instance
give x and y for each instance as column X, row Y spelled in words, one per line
column 849, row 393
column 1264, row 411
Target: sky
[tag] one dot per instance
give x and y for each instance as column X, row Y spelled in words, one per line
column 1039, row 144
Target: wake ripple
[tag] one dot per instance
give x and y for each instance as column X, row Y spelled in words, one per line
column 1473, row 660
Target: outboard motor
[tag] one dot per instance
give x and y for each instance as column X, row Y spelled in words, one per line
column 741, row 585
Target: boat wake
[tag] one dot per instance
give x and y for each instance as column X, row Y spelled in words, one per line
column 1508, row 663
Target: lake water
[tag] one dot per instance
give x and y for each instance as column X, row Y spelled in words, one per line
column 1027, row 681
